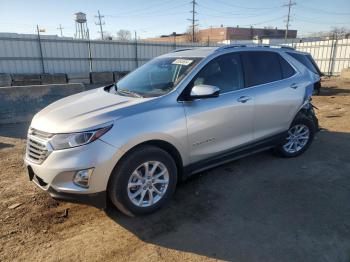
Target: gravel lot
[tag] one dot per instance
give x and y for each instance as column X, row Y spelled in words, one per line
column 261, row 208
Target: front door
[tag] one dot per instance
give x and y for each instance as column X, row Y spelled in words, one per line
column 216, row 125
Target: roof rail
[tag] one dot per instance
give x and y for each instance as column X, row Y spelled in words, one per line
column 224, row 47
column 287, row 47
column 182, row 49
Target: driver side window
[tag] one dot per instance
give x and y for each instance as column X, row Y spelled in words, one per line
column 224, row 72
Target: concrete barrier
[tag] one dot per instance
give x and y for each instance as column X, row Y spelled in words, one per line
column 83, row 78
column 119, row 75
column 5, row 80
column 102, row 77
column 345, row 74
column 53, row 79
column 20, row 103
column 25, row 79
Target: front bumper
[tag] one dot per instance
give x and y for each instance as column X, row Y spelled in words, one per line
column 55, row 174
column 97, row 199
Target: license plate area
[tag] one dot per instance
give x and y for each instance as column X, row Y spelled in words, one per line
column 37, row 180
column 30, row 173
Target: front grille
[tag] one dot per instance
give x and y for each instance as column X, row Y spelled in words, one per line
column 37, row 149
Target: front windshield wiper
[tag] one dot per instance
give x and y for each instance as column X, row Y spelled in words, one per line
column 128, row 92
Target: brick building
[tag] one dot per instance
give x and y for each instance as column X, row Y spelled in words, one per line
column 218, row 34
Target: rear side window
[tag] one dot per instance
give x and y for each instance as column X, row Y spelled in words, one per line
column 287, row 69
column 304, row 60
column 314, row 64
column 261, row 67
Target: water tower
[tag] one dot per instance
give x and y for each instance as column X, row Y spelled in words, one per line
column 81, row 30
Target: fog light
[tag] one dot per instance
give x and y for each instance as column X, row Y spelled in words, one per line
column 82, row 177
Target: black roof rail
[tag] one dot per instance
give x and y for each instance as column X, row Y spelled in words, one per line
column 287, row 47
column 224, row 47
column 182, row 49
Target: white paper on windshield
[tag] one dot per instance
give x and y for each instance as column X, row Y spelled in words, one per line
column 182, row 62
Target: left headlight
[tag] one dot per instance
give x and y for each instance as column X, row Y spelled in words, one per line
column 64, row 141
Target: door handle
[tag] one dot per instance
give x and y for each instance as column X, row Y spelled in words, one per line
column 294, row 86
column 244, row 99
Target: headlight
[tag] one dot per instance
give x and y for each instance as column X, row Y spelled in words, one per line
column 63, row 141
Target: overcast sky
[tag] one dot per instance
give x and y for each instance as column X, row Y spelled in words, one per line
column 156, row 17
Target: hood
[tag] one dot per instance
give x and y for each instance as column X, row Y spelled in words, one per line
column 82, row 111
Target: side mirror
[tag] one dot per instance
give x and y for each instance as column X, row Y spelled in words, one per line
column 204, row 91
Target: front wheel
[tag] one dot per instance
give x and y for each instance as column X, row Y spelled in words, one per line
column 298, row 139
column 144, row 181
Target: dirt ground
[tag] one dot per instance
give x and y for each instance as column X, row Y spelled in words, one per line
column 260, row 208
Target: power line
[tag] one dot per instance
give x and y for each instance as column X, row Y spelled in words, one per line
column 146, row 9
column 290, row 4
column 246, row 7
column 193, row 19
column 264, row 22
column 322, row 10
column 305, row 19
column 61, row 29
column 100, row 23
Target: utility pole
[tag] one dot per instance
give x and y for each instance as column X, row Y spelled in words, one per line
column 193, row 19
column 290, row 4
column 136, row 53
column 100, row 23
column 38, row 30
column 60, row 28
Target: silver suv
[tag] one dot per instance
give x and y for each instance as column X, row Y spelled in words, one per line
column 177, row 115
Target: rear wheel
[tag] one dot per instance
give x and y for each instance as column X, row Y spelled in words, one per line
column 298, row 139
column 143, row 181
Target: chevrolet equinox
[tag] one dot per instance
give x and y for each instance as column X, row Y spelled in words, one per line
column 129, row 143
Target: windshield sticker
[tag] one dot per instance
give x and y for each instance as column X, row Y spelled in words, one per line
column 182, row 62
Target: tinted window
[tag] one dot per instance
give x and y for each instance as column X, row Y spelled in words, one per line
column 224, row 72
column 314, row 64
column 287, row 69
column 304, row 60
column 261, row 67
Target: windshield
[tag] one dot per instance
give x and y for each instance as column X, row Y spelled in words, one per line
column 156, row 78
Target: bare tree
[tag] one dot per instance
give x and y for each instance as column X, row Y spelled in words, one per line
column 124, row 35
column 340, row 31
column 188, row 35
column 334, row 32
column 106, row 36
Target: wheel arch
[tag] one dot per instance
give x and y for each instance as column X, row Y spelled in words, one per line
column 166, row 146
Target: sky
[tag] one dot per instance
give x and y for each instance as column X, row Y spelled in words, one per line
column 156, row 17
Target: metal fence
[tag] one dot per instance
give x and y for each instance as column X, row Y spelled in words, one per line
column 330, row 55
column 45, row 55
column 31, row 54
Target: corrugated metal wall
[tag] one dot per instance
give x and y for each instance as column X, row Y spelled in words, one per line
column 22, row 54
column 330, row 55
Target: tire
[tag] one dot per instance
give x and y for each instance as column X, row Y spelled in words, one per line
column 307, row 124
column 125, row 187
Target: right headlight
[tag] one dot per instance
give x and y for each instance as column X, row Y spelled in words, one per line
column 64, row 141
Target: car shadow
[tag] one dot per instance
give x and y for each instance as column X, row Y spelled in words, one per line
column 260, row 208
column 332, row 91
column 5, row 145
column 17, row 130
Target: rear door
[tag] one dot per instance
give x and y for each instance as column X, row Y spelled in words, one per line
column 277, row 93
column 216, row 125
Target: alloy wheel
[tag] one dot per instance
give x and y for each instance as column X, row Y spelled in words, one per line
column 298, row 136
column 148, row 183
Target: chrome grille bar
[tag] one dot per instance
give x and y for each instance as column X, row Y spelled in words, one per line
column 38, row 147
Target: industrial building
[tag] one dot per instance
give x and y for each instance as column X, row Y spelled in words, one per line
column 220, row 34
